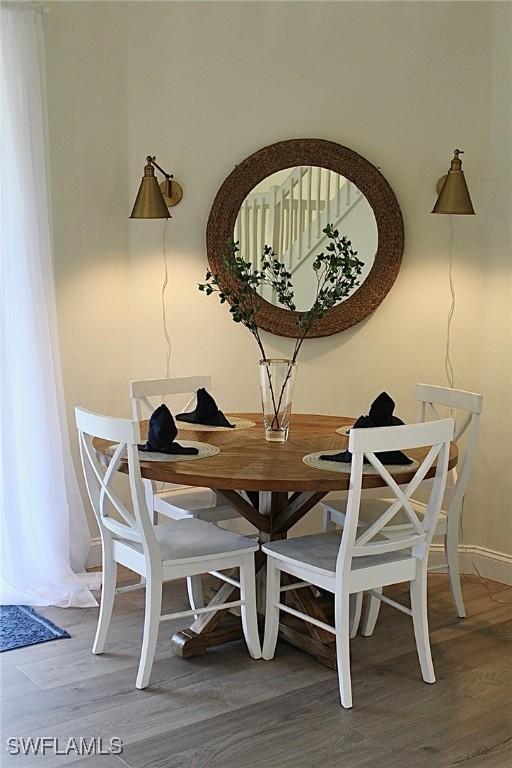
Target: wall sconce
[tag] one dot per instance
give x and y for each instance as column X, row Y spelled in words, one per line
column 453, row 198
column 452, row 190
column 154, row 200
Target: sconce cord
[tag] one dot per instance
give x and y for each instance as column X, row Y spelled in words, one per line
column 448, row 366
column 450, row 377
column 164, row 311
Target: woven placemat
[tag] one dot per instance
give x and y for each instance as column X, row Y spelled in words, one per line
column 343, row 430
column 238, row 424
column 205, row 450
column 314, row 460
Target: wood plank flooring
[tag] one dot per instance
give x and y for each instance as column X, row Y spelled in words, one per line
column 224, row 710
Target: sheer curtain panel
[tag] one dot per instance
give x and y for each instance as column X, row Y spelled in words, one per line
column 45, row 538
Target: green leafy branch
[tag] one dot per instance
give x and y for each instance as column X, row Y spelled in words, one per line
column 238, row 286
column 337, row 271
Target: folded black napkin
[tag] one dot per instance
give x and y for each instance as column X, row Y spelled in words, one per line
column 206, row 412
column 161, row 434
column 381, row 412
column 381, row 415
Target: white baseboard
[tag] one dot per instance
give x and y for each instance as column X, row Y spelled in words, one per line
column 490, row 564
column 482, row 561
column 94, row 557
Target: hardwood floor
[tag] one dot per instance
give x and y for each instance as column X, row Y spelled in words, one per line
column 224, row 710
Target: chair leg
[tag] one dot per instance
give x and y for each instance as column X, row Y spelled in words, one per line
column 371, row 613
column 195, row 592
column 152, row 615
column 248, row 608
column 451, row 548
column 418, row 590
column 341, row 621
column 108, row 593
column 271, row 609
column 356, row 606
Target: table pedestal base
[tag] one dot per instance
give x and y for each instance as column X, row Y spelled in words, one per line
column 275, row 515
column 187, row 643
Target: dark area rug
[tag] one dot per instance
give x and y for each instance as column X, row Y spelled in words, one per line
column 21, row 625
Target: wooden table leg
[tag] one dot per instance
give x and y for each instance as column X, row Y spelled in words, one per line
column 205, row 631
column 215, row 628
column 270, row 506
column 274, row 513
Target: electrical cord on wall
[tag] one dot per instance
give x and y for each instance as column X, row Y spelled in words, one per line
column 164, row 310
column 167, row 337
column 449, row 370
column 448, row 366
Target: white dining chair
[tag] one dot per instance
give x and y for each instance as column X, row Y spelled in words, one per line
column 178, row 501
column 467, row 407
column 358, row 560
column 172, row 550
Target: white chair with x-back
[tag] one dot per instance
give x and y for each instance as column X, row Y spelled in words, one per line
column 172, row 550
column 358, row 560
column 466, row 406
column 178, row 501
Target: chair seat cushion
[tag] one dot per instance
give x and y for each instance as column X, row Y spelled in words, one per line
column 320, row 552
column 199, row 502
column 188, row 498
column 190, row 539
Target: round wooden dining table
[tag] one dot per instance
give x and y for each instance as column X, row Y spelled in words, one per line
column 269, row 485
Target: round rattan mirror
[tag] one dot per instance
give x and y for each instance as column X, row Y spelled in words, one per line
column 284, row 194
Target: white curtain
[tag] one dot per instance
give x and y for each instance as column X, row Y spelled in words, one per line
column 44, row 532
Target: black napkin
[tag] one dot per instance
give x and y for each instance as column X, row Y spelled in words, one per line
column 206, row 412
column 381, row 415
column 381, row 412
column 161, row 434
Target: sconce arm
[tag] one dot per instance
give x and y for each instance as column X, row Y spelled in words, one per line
column 152, row 161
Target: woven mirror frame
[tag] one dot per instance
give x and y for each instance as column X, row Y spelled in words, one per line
column 355, row 168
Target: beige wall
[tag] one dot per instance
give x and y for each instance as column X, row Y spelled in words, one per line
column 202, row 85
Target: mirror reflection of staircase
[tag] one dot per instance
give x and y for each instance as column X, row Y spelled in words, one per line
column 289, row 211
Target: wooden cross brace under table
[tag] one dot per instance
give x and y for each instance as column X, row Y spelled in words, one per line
column 273, row 513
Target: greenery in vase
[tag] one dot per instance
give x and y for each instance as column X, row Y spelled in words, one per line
column 336, row 270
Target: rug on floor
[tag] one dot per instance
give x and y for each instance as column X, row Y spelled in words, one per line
column 21, row 625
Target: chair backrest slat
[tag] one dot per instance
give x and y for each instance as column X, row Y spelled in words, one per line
column 470, row 405
column 436, row 435
column 103, row 479
column 377, row 439
column 451, row 398
column 463, row 426
column 133, row 525
column 142, row 390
